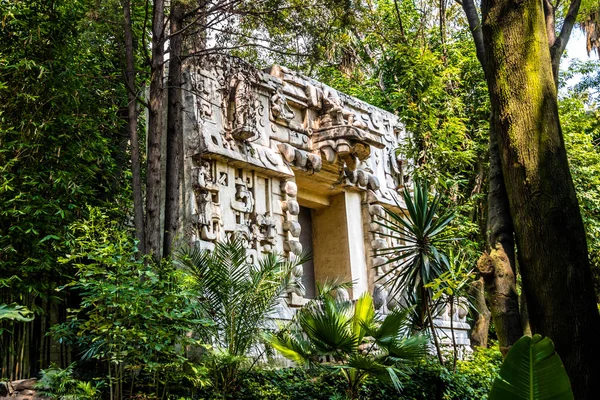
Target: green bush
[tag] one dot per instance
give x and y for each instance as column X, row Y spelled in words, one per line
column 60, row 384
column 134, row 316
column 472, row 381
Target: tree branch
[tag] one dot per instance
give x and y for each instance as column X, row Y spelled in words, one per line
column 560, row 44
column 550, row 16
column 475, row 26
column 400, row 24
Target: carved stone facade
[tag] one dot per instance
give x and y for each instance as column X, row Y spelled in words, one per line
column 291, row 164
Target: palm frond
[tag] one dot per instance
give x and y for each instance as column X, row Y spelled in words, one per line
column 238, row 295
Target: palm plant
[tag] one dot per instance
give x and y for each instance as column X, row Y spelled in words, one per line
column 348, row 338
column 420, row 255
column 238, row 296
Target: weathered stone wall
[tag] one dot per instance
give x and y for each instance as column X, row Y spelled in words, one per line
column 259, row 145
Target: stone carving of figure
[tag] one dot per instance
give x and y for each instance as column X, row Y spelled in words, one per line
column 208, row 216
column 333, row 109
column 204, row 175
column 244, row 196
column 336, row 114
column 240, row 109
column 280, row 108
column 342, row 295
column 205, row 208
column 380, row 299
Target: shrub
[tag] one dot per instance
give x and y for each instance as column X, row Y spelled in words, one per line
column 472, row 381
column 61, row 385
column 134, row 316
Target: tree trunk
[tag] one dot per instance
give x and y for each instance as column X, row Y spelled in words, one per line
column 549, row 230
column 132, row 114
column 481, row 328
column 153, row 173
column 524, row 313
column 174, row 129
column 497, row 268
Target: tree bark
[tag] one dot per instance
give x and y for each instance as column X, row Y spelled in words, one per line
column 480, row 330
column 498, row 276
column 498, row 266
column 153, row 173
column 134, row 142
column 174, row 129
column 549, row 230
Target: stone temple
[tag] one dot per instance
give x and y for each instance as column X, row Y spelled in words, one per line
column 294, row 165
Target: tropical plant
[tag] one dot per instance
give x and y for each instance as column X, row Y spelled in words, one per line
column 60, row 384
column 238, row 295
column 349, row 339
column 419, row 257
column 532, row 370
column 61, row 149
column 134, row 316
column 15, row 312
column 453, row 286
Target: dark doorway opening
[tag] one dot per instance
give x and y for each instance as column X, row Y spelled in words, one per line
column 306, row 239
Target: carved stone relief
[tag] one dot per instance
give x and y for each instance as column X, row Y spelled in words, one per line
column 208, row 206
column 273, row 129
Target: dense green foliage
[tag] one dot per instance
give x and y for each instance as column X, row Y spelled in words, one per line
column 134, row 317
column 61, row 149
column 64, row 199
column 438, row 92
column 60, row 384
column 348, row 339
column 581, row 129
column 238, row 296
column 472, row 381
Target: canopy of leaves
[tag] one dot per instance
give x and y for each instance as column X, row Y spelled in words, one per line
column 60, row 134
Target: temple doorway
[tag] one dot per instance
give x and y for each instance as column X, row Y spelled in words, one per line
column 306, row 239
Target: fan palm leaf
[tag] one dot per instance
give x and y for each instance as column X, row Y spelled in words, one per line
column 359, row 344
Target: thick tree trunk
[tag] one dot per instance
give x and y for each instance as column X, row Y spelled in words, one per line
column 153, row 173
column 134, row 142
column 499, row 264
column 549, row 230
column 481, row 327
column 174, row 129
column 498, row 267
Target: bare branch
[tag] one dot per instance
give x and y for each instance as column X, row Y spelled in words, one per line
column 560, row 44
column 400, row 25
column 216, row 50
column 550, row 15
column 475, row 26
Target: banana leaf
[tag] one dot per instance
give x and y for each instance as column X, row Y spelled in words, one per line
column 532, row 370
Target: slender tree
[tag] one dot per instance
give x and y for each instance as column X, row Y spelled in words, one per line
column 132, row 116
column 174, row 160
column 155, row 133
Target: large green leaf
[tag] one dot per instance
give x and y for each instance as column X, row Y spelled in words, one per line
column 532, row 370
column 15, row 312
column 364, row 313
